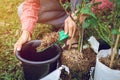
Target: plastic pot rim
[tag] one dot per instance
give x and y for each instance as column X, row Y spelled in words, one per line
column 37, row 62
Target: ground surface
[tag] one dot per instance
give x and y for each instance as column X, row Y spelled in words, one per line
column 107, row 60
column 10, row 29
column 79, row 66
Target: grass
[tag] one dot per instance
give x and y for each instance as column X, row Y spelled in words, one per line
column 10, row 68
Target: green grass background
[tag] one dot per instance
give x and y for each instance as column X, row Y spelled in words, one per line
column 10, row 68
column 10, row 29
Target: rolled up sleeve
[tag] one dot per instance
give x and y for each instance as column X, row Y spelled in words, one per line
column 29, row 14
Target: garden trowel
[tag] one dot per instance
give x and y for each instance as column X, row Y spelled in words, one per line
column 62, row 36
column 60, row 41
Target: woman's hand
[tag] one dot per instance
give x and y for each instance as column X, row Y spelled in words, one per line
column 70, row 26
column 26, row 36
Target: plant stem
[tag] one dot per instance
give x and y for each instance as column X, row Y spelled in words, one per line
column 113, row 19
column 81, row 46
column 68, row 13
column 78, row 25
column 115, row 51
column 80, row 41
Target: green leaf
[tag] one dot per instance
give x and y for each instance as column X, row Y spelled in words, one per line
column 118, row 1
column 67, row 5
column 115, row 31
column 87, row 1
column 92, row 22
column 110, row 0
column 85, row 24
column 87, row 10
column 78, row 6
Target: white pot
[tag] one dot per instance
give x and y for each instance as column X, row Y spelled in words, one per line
column 102, row 72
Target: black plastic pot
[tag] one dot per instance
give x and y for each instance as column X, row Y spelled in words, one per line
column 103, row 45
column 35, row 64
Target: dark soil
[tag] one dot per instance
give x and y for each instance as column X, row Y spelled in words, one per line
column 48, row 40
column 106, row 61
column 78, row 66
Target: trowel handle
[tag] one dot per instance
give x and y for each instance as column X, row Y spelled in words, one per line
column 58, row 47
column 62, row 36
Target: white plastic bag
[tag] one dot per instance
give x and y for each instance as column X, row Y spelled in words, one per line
column 55, row 75
column 102, row 72
column 94, row 43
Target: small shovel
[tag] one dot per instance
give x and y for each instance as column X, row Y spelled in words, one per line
column 62, row 38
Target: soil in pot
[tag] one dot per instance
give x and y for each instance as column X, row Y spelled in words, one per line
column 78, row 66
column 106, row 61
column 48, row 40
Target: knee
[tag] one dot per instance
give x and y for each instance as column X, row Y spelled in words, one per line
column 19, row 11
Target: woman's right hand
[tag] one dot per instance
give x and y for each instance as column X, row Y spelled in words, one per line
column 25, row 37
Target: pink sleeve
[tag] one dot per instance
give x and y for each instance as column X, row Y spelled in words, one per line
column 29, row 15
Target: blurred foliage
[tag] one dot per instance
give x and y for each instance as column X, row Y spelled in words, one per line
column 108, row 23
column 105, row 22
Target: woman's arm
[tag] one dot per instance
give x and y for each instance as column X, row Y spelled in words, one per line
column 28, row 19
column 29, row 14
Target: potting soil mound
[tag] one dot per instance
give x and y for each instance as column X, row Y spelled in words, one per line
column 79, row 66
column 48, row 40
column 106, row 61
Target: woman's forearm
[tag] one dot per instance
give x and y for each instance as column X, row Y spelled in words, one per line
column 29, row 14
